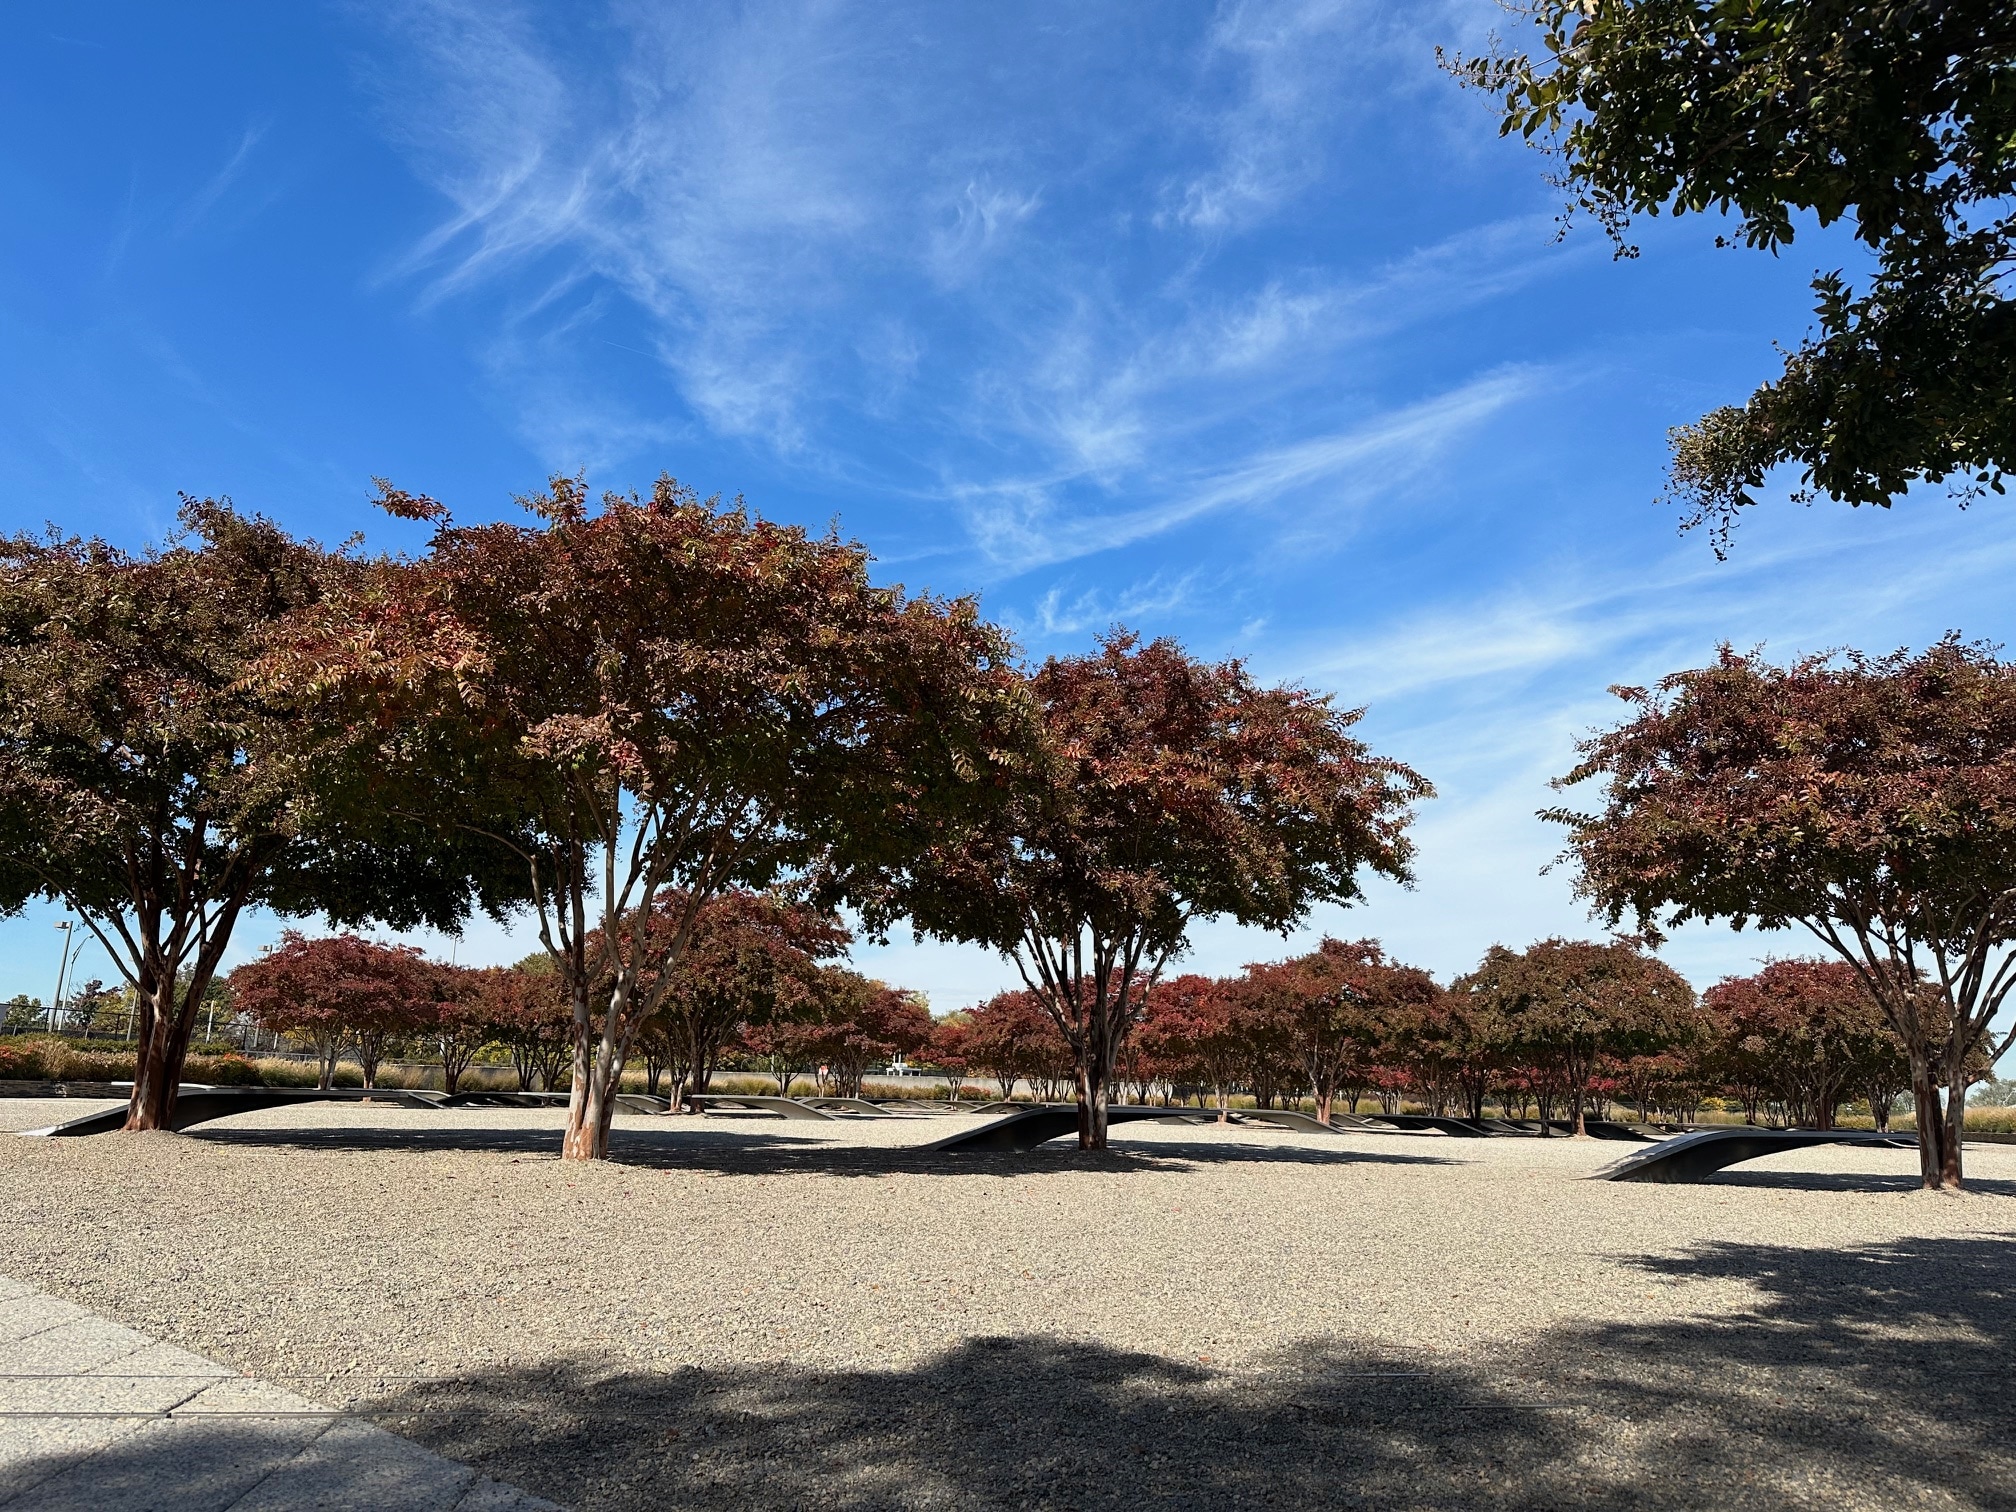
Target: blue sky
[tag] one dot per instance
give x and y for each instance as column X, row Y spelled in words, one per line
column 1234, row 322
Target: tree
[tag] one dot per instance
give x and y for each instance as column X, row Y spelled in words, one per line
column 525, row 1008
column 853, row 1023
column 157, row 788
column 1869, row 801
column 1010, row 1037
column 1203, row 1032
column 663, row 699
column 1338, row 1008
column 1172, row 790
column 1896, row 114
column 338, row 991
column 949, row 1050
column 750, row 958
column 1806, row 1032
column 1569, row 1005
column 24, row 1015
column 456, row 1019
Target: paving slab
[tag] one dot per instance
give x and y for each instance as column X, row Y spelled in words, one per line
column 95, row 1417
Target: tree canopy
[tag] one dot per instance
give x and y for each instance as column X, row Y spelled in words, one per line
column 1870, row 801
column 665, row 696
column 153, row 786
column 1170, row 790
column 1894, row 115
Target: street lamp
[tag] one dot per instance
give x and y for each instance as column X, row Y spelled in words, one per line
column 61, row 972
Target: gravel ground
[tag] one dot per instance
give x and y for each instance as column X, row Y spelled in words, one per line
column 761, row 1313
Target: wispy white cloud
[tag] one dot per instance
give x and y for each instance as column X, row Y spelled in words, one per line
column 1023, row 525
column 1068, row 609
column 205, row 199
column 1291, row 69
column 814, row 213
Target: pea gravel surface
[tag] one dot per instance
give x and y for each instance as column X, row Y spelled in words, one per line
column 757, row 1313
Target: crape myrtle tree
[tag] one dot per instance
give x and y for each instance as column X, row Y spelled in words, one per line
column 1010, row 1038
column 456, row 1022
column 1570, row 1005
column 1870, row 801
column 156, row 789
column 339, row 992
column 751, row 960
column 662, row 697
column 1171, row 790
column 853, row 1022
column 528, row 1013
column 1338, row 1007
column 949, row 1050
column 1894, row 115
column 1804, row 1033
column 1202, row 1029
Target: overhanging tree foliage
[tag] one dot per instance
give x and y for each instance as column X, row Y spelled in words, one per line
column 1897, row 115
column 1868, row 800
column 153, row 789
column 1172, row 790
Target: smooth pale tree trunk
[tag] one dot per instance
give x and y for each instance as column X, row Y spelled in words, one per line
column 591, row 1103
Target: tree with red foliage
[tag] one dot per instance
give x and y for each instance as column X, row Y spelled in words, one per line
column 456, row 1019
column 338, row 991
column 1339, row 1007
column 1173, row 790
column 1567, row 1006
column 153, row 785
column 1868, row 800
column 657, row 700
column 1201, row 1033
column 950, row 1050
column 1013, row 1038
column 526, row 1009
column 752, row 963
column 854, row 1023
column 1803, row 1033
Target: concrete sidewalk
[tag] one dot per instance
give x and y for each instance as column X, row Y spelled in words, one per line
column 95, row 1416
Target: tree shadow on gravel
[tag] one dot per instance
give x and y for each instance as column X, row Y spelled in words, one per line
column 1903, row 1182
column 1865, row 1379
column 783, row 1154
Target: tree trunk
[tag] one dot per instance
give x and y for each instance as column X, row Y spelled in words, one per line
column 590, row 1103
column 1931, row 1126
column 1095, row 1075
column 1954, row 1130
column 157, row 1069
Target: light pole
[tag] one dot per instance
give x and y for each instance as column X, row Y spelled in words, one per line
column 61, row 972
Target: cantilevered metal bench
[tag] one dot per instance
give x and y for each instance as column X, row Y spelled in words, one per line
column 1460, row 1128
column 1041, row 1124
column 1690, row 1157
column 856, row 1107
column 1302, row 1123
column 1596, row 1128
column 774, row 1107
column 201, row 1104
